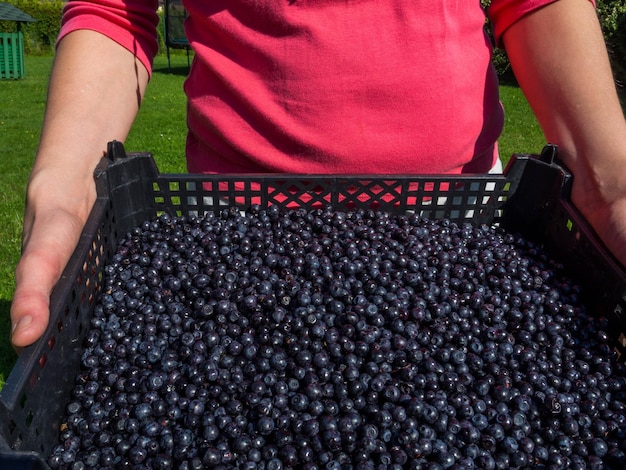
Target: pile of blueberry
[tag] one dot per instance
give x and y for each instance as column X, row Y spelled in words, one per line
column 340, row 340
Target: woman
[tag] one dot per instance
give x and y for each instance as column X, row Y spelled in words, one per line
column 324, row 87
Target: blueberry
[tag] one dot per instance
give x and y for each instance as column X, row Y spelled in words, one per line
column 321, row 339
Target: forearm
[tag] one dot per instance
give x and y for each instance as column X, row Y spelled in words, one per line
column 560, row 60
column 96, row 87
column 95, row 91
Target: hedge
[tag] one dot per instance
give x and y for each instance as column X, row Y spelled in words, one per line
column 612, row 16
column 39, row 36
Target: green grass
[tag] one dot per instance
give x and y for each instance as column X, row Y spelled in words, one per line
column 521, row 133
column 160, row 128
column 21, row 113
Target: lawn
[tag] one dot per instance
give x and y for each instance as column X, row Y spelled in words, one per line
column 521, row 133
column 160, row 129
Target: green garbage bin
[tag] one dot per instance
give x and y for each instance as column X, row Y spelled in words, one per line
column 11, row 55
column 12, row 43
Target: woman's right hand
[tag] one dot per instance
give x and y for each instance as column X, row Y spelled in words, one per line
column 53, row 221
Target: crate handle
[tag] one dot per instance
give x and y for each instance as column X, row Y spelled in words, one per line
column 115, row 150
column 549, row 154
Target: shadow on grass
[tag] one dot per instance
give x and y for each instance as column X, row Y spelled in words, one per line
column 508, row 79
column 7, row 353
column 180, row 70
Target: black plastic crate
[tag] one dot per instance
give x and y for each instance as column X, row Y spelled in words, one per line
column 532, row 197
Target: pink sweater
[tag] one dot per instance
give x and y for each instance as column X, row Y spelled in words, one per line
column 327, row 86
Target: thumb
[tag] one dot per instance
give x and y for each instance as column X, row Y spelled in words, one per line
column 30, row 310
column 50, row 243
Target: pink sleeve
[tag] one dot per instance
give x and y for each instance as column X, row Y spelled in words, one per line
column 131, row 23
column 504, row 13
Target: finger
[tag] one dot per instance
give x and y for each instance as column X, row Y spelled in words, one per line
column 35, row 278
column 50, row 245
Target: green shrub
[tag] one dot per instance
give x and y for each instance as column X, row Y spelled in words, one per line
column 500, row 59
column 612, row 15
column 39, row 36
column 160, row 32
